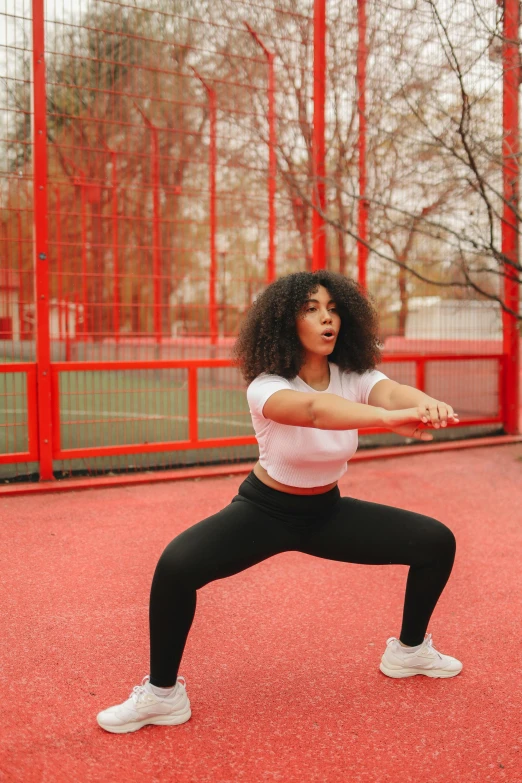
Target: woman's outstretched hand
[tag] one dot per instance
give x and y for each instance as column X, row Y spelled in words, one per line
column 414, row 422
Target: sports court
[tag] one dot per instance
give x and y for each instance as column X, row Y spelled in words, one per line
column 161, row 165
column 281, row 689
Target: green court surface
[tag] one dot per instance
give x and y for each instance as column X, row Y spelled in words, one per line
column 114, row 408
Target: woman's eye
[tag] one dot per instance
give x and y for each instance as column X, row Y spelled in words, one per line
column 310, row 309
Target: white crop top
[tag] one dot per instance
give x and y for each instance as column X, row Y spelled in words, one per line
column 306, row 456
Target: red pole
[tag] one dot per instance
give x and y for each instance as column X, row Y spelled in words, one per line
column 20, row 278
column 9, row 271
column 68, row 330
column 76, row 315
column 362, row 229
column 213, row 222
column 59, row 268
column 80, row 180
column 156, row 263
column 4, row 273
column 272, row 169
column 212, row 185
column 156, row 255
column 41, row 263
column 272, row 160
column 318, row 145
column 510, row 153
column 84, row 258
column 115, row 255
column 193, row 404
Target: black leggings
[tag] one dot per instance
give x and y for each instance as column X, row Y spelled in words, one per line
column 261, row 522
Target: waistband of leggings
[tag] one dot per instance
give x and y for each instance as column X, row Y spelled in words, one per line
column 310, row 503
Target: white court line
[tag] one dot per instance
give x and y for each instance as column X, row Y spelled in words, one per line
column 152, row 416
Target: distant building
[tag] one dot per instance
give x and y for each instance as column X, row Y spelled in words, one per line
column 434, row 318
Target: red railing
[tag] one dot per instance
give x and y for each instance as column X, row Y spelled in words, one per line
column 30, row 421
column 52, row 415
column 192, row 442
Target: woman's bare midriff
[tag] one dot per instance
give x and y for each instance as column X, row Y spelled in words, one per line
column 263, row 476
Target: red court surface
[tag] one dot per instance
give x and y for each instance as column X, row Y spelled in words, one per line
column 282, row 662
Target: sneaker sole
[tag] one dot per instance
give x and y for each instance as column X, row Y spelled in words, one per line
column 400, row 673
column 158, row 720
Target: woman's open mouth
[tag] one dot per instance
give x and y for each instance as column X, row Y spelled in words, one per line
column 328, row 335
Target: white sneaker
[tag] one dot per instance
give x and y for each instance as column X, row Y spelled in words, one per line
column 144, row 707
column 398, row 662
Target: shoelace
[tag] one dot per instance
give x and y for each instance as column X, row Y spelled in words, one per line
column 427, row 644
column 140, row 690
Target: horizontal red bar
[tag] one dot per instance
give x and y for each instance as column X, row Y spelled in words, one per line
column 462, row 423
column 173, row 364
column 208, row 471
column 24, row 456
column 249, row 440
column 179, row 364
column 145, row 448
column 437, row 357
column 18, row 367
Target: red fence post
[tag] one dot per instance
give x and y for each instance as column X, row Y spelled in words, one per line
column 59, row 265
column 76, row 317
column 272, row 160
column 193, row 422
column 41, row 262
column 21, row 298
column 212, row 163
column 272, row 169
column 156, row 271
column 510, row 225
column 68, row 329
column 115, row 249
column 420, row 373
column 318, row 145
column 213, row 226
column 362, row 57
column 80, row 180
column 85, row 317
column 156, row 239
column 115, row 254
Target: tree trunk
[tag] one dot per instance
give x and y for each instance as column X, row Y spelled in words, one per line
column 403, row 293
column 135, row 311
column 96, row 286
column 342, row 220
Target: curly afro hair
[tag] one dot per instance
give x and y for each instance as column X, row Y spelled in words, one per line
column 268, row 340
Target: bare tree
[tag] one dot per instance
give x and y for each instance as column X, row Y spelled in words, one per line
column 434, row 155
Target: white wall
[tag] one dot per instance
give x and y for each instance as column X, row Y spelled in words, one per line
column 447, row 319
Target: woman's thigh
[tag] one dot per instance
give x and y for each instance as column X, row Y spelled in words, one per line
column 237, row 537
column 363, row 532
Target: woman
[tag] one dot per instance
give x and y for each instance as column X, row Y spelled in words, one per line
column 308, row 348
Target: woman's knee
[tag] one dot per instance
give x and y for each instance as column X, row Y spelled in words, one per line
column 442, row 542
column 175, row 566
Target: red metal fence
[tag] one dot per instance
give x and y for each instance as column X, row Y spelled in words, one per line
column 163, row 163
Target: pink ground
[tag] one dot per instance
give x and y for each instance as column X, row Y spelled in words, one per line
column 282, row 663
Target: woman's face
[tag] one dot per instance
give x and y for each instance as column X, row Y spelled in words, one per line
column 318, row 323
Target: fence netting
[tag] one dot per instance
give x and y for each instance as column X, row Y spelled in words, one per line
column 181, row 178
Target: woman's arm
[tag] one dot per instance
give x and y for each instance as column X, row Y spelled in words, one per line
column 323, row 411
column 393, row 396
column 331, row 412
